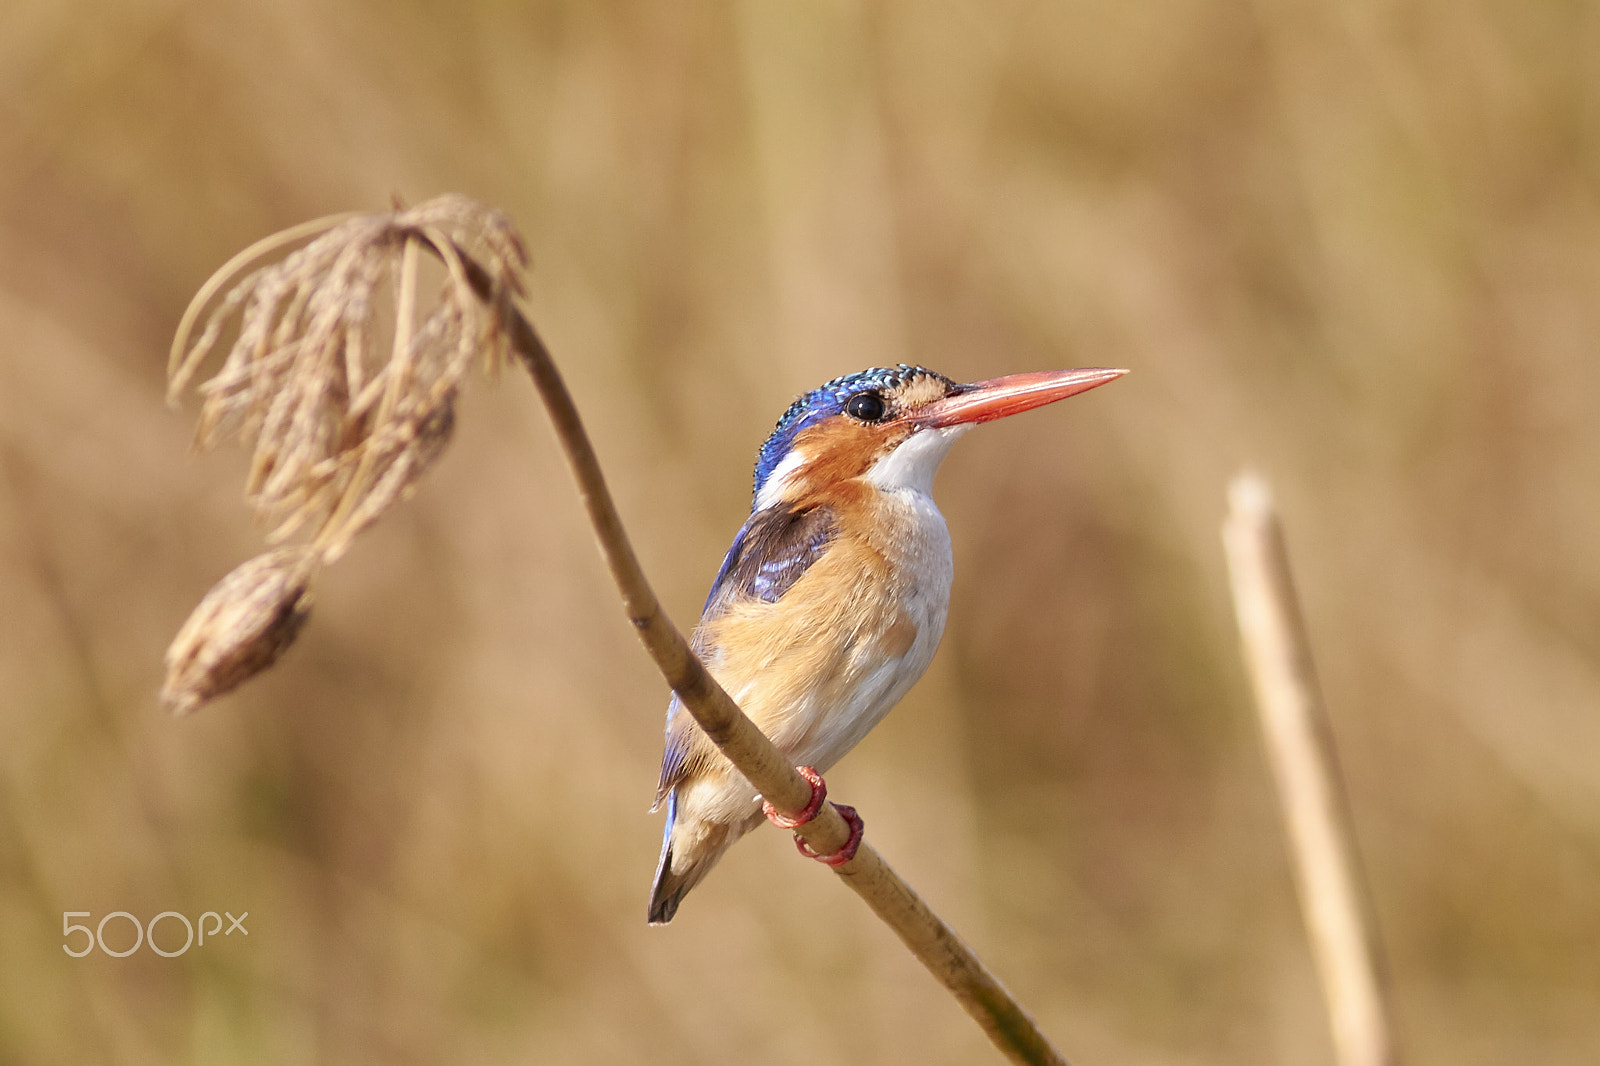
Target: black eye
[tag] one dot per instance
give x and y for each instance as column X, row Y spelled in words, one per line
column 867, row 406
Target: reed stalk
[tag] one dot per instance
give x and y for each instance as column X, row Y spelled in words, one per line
column 1334, row 900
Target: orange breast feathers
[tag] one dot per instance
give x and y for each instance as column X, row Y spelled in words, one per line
column 796, row 665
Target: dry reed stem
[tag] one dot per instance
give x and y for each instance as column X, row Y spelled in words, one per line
column 353, row 437
column 933, row 942
column 1299, row 741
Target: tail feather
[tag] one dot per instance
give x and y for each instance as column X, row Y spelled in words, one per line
column 688, row 852
column 672, row 885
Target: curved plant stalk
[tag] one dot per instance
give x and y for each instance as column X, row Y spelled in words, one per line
column 338, row 441
column 894, row 901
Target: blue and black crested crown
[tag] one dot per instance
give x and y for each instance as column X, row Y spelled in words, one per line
column 826, row 401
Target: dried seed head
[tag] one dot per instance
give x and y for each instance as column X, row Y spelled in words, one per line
column 335, row 417
column 342, row 383
column 240, row 628
column 403, row 457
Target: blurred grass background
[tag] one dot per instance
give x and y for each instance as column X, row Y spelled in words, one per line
column 1356, row 245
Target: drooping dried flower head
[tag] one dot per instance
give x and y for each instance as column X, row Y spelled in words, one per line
column 240, row 628
column 342, row 383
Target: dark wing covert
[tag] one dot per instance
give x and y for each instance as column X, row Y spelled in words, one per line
column 773, row 550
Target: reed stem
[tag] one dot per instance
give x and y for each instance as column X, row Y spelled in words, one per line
column 933, row 942
column 1334, row 900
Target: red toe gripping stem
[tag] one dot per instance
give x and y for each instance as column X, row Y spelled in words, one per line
column 846, row 853
column 819, row 792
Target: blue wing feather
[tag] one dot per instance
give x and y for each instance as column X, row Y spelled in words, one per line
column 772, row 550
column 675, row 755
column 734, row 552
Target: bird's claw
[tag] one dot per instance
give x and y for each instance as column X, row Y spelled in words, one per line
column 819, row 792
column 848, row 851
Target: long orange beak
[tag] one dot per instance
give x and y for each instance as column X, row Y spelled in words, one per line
column 985, row 401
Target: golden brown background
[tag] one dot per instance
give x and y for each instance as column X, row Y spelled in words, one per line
column 1356, row 245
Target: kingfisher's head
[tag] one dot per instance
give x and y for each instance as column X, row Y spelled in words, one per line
column 893, row 425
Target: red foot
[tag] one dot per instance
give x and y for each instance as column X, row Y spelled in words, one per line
column 844, row 854
column 819, row 792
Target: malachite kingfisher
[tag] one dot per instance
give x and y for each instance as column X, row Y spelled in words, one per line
column 832, row 599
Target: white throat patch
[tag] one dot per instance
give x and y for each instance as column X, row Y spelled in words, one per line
column 912, row 465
